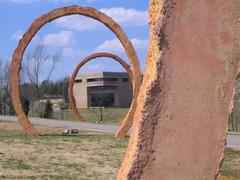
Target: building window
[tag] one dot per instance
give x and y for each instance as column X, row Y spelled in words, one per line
column 78, row 81
column 125, row 79
column 102, row 99
column 102, row 79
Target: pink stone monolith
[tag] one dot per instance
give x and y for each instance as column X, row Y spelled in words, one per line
column 181, row 119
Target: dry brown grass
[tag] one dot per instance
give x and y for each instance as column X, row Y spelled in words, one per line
column 89, row 155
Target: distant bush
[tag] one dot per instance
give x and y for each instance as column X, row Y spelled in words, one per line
column 48, row 111
column 64, row 106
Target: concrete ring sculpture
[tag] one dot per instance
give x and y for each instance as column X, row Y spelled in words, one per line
column 80, row 65
column 52, row 15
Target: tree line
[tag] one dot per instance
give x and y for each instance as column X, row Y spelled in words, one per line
column 35, row 78
column 35, row 83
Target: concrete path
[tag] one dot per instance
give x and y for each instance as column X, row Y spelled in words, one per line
column 65, row 124
column 233, row 141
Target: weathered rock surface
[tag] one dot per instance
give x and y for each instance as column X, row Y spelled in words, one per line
column 180, row 124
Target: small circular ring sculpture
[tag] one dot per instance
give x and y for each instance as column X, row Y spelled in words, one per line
column 80, row 65
column 52, row 15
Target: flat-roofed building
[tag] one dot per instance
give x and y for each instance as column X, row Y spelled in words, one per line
column 112, row 89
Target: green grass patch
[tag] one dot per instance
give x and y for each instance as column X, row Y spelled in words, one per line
column 111, row 115
column 18, row 164
column 89, row 155
column 231, row 165
column 233, row 133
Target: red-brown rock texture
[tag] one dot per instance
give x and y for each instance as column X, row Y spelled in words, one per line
column 181, row 119
column 80, row 65
column 41, row 21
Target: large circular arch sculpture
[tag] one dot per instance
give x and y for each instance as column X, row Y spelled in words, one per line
column 52, row 15
column 185, row 98
column 80, row 65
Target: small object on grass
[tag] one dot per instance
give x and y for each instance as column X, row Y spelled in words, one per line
column 74, row 131
column 65, row 131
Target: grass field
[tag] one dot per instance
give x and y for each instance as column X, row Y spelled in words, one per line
column 231, row 166
column 110, row 116
column 89, row 155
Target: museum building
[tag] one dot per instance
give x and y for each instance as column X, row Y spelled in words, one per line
column 108, row 89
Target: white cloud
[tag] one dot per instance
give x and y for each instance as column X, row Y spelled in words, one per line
column 76, row 22
column 33, row 1
column 91, row 1
column 140, row 43
column 127, row 16
column 130, row 17
column 115, row 46
column 93, row 67
column 17, row 35
column 60, row 1
column 19, row 1
column 110, row 46
column 62, row 38
column 70, row 52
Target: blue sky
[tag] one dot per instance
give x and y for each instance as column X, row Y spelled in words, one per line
column 76, row 36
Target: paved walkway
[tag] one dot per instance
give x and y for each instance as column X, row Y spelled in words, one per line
column 233, row 141
column 66, row 124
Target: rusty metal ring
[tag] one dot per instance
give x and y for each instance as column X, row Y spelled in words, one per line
column 52, row 15
column 80, row 65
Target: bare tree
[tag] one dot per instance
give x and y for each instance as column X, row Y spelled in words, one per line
column 1, row 85
column 36, row 64
column 5, row 100
column 100, row 107
column 55, row 59
column 234, row 119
